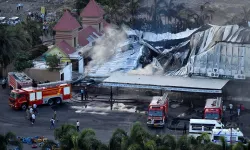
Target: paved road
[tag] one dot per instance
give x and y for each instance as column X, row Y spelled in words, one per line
column 96, row 116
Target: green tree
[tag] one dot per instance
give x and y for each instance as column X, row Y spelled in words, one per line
column 80, row 4
column 34, row 29
column 139, row 139
column 52, row 61
column 13, row 40
column 49, row 144
column 70, row 139
column 9, row 139
column 22, row 61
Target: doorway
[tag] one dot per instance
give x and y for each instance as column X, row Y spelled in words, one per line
column 62, row 76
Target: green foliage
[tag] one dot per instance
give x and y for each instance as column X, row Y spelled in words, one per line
column 9, row 139
column 37, row 51
column 49, row 144
column 22, row 61
column 52, row 61
column 80, row 4
column 13, row 39
column 34, row 29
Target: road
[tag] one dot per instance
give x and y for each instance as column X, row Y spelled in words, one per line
column 96, row 116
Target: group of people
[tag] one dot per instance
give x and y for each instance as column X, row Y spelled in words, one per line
column 31, row 113
column 231, row 109
column 85, row 93
column 19, row 6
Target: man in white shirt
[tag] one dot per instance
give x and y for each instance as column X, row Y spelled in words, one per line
column 33, row 118
column 52, row 123
column 35, row 108
column 77, row 126
column 31, row 110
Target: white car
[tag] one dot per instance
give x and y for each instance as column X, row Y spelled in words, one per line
column 14, row 20
column 3, row 20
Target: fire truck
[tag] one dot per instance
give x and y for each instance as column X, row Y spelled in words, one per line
column 213, row 109
column 47, row 93
column 18, row 80
column 158, row 111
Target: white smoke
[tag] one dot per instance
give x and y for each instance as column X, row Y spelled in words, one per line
column 106, row 46
column 150, row 69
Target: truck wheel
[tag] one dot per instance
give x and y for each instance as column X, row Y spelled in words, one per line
column 24, row 106
column 58, row 100
column 50, row 102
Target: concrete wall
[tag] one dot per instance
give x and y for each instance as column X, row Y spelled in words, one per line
column 42, row 74
column 67, row 72
column 67, row 36
column 81, row 66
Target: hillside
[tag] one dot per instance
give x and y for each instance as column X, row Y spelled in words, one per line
column 225, row 10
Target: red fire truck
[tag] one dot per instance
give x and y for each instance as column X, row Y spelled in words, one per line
column 158, row 111
column 48, row 93
column 213, row 109
column 18, row 80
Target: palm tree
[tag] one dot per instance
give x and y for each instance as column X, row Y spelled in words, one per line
column 138, row 139
column 70, row 139
column 9, row 139
column 49, row 144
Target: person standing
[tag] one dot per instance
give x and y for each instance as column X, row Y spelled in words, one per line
column 52, row 123
column 224, row 108
column 31, row 112
column 185, row 129
column 35, row 108
column 27, row 114
column 82, row 92
column 77, row 126
column 55, row 116
column 238, row 110
column 231, row 108
column 33, row 116
column 86, row 93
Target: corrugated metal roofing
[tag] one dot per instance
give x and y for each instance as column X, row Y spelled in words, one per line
column 167, row 81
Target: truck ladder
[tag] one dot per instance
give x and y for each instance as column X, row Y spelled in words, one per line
column 50, row 84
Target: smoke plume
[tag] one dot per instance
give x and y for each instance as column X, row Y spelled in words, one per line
column 150, row 69
column 106, row 46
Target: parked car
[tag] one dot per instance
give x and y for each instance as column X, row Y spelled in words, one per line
column 14, row 20
column 3, row 20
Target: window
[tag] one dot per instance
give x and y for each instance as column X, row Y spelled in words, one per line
column 32, row 96
column 38, row 95
column 155, row 113
column 208, row 127
column 66, row 90
column 196, row 126
column 217, row 138
column 212, row 116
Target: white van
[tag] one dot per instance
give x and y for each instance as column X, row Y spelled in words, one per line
column 199, row 126
column 236, row 135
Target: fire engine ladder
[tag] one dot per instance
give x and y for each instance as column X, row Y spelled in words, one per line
column 53, row 83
